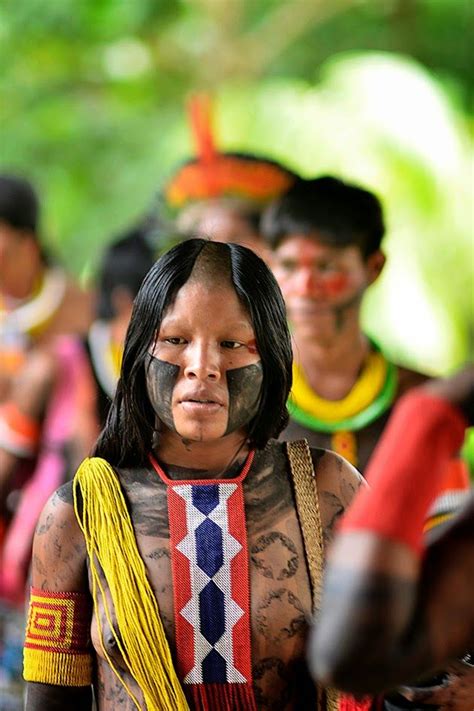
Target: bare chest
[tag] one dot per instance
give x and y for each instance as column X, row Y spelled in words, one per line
column 277, row 576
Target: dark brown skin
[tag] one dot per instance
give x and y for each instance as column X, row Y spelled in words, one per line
column 280, row 589
column 397, row 616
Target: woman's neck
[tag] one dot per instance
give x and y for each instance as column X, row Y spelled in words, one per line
column 211, row 459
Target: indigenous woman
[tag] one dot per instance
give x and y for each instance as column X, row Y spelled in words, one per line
column 180, row 568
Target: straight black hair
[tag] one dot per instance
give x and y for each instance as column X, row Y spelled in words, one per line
column 128, row 435
column 343, row 214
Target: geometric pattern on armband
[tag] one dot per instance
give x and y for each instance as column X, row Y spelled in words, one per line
column 58, row 622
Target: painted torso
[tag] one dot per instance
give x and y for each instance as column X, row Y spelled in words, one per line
column 279, row 584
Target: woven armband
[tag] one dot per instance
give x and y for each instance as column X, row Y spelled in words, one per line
column 57, row 644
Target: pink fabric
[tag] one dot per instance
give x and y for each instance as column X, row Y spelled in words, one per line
column 50, row 469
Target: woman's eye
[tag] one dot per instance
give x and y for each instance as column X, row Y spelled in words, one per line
column 231, row 344
column 175, row 341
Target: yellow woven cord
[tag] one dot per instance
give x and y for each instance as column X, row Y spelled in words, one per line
column 56, row 649
column 364, row 392
column 110, row 541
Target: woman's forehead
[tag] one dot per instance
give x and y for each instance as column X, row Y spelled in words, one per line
column 209, row 301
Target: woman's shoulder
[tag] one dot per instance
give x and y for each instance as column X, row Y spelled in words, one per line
column 59, row 550
column 331, row 469
column 337, row 483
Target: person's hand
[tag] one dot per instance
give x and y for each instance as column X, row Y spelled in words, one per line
column 456, row 693
column 458, row 389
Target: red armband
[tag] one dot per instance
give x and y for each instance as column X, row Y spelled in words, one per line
column 57, row 646
column 406, row 470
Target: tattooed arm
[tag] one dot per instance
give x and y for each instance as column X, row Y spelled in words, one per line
column 59, row 565
column 338, row 482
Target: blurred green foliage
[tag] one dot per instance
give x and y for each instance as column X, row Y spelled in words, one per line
column 92, row 109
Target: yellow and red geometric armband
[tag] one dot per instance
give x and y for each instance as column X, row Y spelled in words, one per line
column 57, row 646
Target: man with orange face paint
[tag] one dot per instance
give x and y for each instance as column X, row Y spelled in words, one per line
column 325, row 235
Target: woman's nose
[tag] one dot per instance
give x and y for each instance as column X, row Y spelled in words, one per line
column 203, row 363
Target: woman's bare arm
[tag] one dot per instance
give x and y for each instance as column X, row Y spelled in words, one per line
column 59, row 565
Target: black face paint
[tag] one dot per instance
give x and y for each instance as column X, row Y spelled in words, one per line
column 161, row 378
column 245, row 386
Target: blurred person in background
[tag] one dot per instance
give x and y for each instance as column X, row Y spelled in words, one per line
column 123, row 267
column 38, row 299
column 43, row 372
column 221, row 195
column 39, row 304
column 325, row 236
column 396, row 604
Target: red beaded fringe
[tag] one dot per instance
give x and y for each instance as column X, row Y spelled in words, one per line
column 222, row 697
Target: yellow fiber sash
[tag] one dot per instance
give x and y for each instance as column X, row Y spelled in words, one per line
column 110, row 539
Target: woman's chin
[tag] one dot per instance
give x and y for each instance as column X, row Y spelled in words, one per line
column 200, row 434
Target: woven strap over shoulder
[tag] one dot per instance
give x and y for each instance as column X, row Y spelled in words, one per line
column 307, row 505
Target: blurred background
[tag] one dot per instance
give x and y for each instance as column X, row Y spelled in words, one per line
column 93, row 96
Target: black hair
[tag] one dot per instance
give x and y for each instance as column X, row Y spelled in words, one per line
column 124, row 264
column 19, row 204
column 127, row 437
column 343, row 214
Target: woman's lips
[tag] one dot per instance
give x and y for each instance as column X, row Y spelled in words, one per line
column 203, row 407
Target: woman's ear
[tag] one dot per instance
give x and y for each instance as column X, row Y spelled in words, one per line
column 375, row 263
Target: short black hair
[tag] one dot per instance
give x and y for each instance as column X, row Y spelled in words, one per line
column 344, row 214
column 19, row 204
column 124, row 264
column 127, row 437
